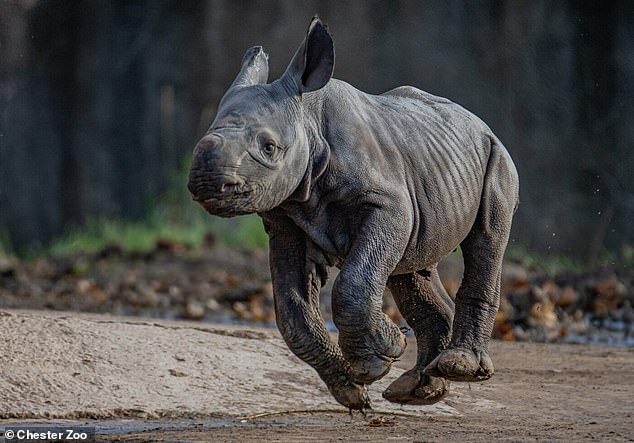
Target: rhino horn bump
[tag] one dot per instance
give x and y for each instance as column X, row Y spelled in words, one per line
column 255, row 68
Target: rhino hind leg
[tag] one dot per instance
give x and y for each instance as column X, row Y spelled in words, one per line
column 477, row 301
column 428, row 310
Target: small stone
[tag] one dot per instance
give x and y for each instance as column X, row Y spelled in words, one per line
column 194, row 310
column 567, row 297
column 85, row 285
column 177, row 373
column 242, row 310
column 213, row 305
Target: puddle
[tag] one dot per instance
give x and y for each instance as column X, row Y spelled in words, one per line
column 116, row 427
column 134, row 426
column 608, row 333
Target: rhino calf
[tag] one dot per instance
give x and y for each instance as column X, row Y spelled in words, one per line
column 382, row 187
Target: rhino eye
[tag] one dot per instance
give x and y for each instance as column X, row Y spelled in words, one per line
column 269, row 148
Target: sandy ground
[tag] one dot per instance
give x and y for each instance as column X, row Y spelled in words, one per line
column 142, row 380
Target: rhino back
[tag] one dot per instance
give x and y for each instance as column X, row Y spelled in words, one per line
column 409, row 146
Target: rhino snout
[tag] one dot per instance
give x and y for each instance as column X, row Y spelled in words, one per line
column 208, row 143
column 204, row 187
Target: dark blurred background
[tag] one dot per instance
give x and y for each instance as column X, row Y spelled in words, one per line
column 101, row 102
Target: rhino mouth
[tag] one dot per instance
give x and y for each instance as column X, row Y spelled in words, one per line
column 223, row 199
column 226, row 191
column 229, row 199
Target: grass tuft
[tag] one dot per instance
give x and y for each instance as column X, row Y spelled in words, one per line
column 173, row 216
column 142, row 236
column 553, row 264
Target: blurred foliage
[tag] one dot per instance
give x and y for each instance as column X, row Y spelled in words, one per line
column 142, row 236
column 556, row 263
column 550, row 263
column 5, row 245
column 173, row 216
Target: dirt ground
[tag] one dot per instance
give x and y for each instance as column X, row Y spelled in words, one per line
column 166, row 381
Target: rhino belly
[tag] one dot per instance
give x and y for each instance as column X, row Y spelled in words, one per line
column 436, row 233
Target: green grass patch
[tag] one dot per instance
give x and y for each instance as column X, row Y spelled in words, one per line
column 172, row 216
column 551, row 263
column 243, row 232
column 6, row 250
column 142, row 236
column 560, row 263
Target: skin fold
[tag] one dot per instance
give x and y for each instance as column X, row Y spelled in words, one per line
column 380, row 186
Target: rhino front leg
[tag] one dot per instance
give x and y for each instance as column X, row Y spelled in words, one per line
column 297, row 281
column 428, row 309
column 477, row 301
column 369, row 340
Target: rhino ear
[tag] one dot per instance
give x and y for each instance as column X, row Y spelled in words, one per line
column 314, row 61
column 255, row 68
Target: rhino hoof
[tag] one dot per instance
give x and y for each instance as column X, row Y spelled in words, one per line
column 459, row 364
column 369, row 370
column 351, row 395
column 373, row 362
column 415, row 388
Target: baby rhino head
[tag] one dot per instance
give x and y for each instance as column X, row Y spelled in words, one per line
column 257, row 152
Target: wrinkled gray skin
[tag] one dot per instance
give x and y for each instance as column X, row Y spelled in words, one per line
column 381, row 186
